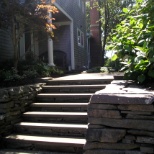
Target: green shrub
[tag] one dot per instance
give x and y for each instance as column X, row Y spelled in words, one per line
column 10, row 75
column 104, row 70
column 133, row 41
column 114, row 65
column 94, row 70
column 28, row 70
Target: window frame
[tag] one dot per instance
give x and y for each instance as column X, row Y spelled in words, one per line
column 79, row 3
column 80, row 38
column 83, row 7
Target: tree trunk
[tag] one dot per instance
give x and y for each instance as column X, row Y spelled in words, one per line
column 105, row 28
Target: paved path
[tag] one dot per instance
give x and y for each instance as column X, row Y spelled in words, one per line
column 85, row 76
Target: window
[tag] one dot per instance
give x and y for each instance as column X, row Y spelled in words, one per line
column 80, row 36
column 83, row 7
column 79, row 3
column 21, row 1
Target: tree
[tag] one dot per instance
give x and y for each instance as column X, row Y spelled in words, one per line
column 110, row 11
column 16, row 14
column 133, row 39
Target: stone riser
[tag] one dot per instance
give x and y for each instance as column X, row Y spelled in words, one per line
column 78, row 119
column 62, row 109
column 79, row 82
column 48, row 147
column 72, row 88
column 63, row 99
column 67, row 132
column 59, row 107
column 78, row 90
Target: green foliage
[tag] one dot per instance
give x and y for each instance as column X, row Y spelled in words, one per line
column 94, row 70
column 27, row 70
column 98, row 69
column 110, row 11
column 104, row 70
column 10, row 75
column 133, row 39
column 113, row 65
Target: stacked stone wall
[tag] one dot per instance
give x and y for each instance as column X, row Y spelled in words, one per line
column 13, row 102
column 121, row 120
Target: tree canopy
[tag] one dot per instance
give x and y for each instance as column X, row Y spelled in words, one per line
column 110, row 11
column 15, row 15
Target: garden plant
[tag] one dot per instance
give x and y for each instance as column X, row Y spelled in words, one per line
column 133, row 39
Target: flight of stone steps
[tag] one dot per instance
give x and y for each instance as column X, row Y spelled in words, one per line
column 57, row 121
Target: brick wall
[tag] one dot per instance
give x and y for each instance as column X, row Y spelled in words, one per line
column 95, row 40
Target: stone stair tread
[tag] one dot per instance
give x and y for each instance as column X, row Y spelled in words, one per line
column 63, row 94
column 52, row 140
column 58, row 104
column 14, row 151
column 108, row 78
column 73, row 86
column 52, row 125
column 35, row 113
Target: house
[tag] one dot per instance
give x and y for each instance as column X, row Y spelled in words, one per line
column 68, row 48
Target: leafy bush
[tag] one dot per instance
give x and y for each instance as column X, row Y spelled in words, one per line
column 30, row 74
column 10, row 75
column 114, row 65
column 28, row 70
column 133, row 39
column 94, row 70
column 98, row 70
column 42, row 69
column 104, row 69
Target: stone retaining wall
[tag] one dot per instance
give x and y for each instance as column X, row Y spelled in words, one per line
column 13, row 102
column 121, row 120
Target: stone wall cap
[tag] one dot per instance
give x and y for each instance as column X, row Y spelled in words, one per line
column 123, row 98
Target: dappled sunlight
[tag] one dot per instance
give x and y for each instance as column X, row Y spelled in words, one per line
column 85, row 76
column 47, row 139
column 50, row 125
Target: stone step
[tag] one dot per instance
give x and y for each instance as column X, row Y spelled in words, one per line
column 80, row 81
column 51, row 129
column 59, row 106
column 14, row 151
column 73, row 117
column 56, row 144
column 64, row 97
column 72, row 88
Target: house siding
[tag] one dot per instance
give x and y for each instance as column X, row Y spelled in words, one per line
column 63, row 36
column 6, row 48
column 79, row 22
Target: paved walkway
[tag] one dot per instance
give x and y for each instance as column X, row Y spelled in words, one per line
column 85, row 76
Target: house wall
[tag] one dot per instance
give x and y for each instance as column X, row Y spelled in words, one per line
column 43, row 46
column 62, row 41
column 6, row 48
column 79, row 22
